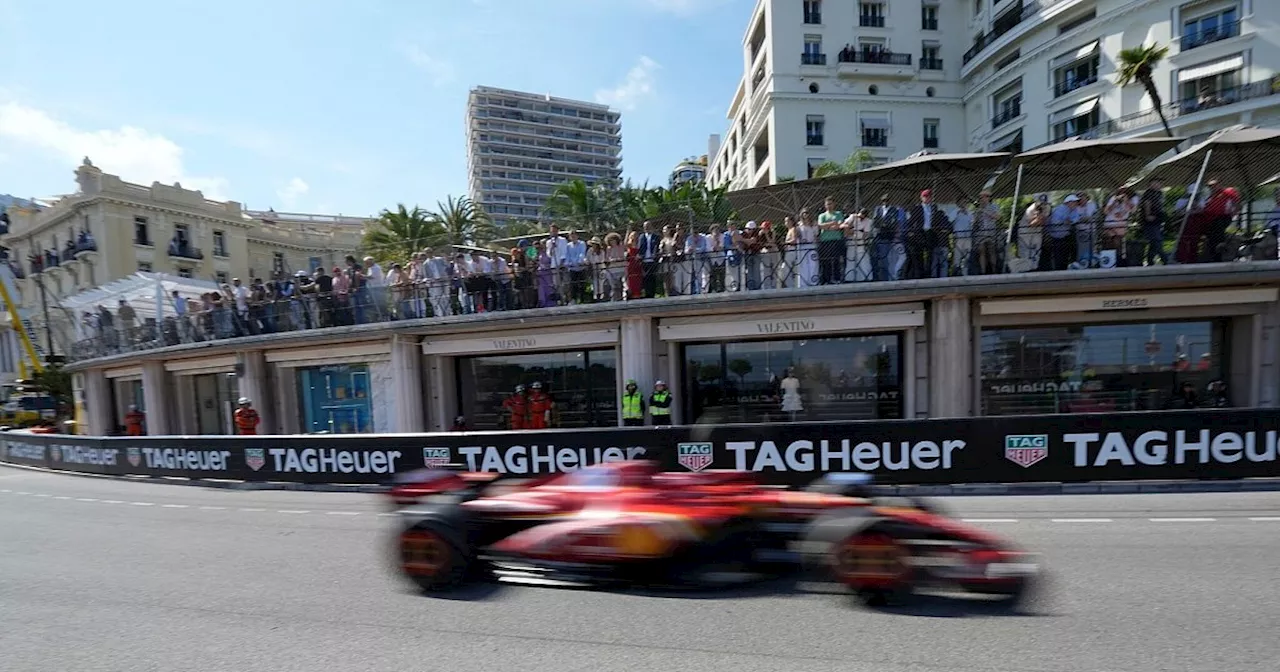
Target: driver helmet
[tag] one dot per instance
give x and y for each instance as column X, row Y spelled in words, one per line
column 537, row 386
column 519, row 389
column 244, row 401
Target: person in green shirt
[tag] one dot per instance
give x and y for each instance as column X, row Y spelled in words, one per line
column 831, row 245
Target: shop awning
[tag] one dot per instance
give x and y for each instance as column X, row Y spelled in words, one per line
column 1073, row 56
column 1210, row 69
column 1074, row 111
column 875, row 123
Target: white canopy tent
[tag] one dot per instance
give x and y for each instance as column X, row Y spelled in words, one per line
column 150, row 295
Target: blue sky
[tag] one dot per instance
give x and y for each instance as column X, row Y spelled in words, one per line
column 340, row 107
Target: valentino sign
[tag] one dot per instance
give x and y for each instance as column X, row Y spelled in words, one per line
column 786, row 327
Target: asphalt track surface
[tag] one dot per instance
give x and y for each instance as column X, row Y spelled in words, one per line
column 108, row 575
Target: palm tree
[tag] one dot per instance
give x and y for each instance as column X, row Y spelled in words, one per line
column 398, row 234
column 585, row 206
column 523, row 228
column 462, row 223
column 857, row 161
column 1136, row 66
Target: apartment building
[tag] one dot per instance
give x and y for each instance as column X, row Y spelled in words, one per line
column 1010, row 75
column 521, row 146
column 693, row 169
column 110, row 229
column 825, row 78
column 1041, row 71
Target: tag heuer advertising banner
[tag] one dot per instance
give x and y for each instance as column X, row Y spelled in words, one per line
column 1057, row 448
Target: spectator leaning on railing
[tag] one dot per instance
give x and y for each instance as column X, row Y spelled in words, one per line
column 886, row 242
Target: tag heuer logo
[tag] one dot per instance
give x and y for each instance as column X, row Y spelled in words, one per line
column 1025, row 450
column 435, row 458
column 695, row 456
column 135, row 456
column 56, row 453
column 255, row 458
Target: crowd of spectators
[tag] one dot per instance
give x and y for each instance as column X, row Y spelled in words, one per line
column 886, row 242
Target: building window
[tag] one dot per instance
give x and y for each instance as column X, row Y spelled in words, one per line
column 813, row 128
column 929, row 56
column 582, row 385
column 871, row 15
column 1210, row 28
column 1078, row 124
column 875, row 131
column 839, row 378
column 221, row 277
column 1211, row 84
column 277, row 262
column 219, row 244
column 814, row 163
column 1077, row 22
column 335, row 399
column 1008, row 60
column 1008, row 105
column 813, row 12
column 141, row 231
column 929, row 17
column 144, row 266
column 1077, row 69
column 813, row 51
column 1098, row 368
column 931, row 133
column 184, row 272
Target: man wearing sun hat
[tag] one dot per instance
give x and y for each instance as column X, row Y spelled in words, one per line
column 1059, row 235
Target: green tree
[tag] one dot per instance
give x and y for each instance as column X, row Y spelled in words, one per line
column 858, row 160
column 398, row 234
column 1136, row 67
column 462, row 223
column 740, row 368
column 55, row 381
column 523, row 228
column 583, row 206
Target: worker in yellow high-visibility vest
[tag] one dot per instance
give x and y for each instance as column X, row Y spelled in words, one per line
column 660, row 404
column 632, row 406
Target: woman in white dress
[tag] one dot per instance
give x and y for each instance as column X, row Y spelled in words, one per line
column 806, row 266
column 857, row 265
column 791, row 402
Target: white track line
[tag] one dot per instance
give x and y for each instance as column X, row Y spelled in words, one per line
column 86, row 499
column 112, row 501
column 342, row 513
column 1266, row 519
column 142, row 503
column 1082, row 520
column 58, row 498
column 253, row 510
column 989, row 520
column 174, row 506
column 213, row 508
column 47, row 496
column 291, row 511
column 1182, row 520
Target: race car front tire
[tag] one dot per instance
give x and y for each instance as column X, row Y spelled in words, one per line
column 434, row 555
column 874, row 563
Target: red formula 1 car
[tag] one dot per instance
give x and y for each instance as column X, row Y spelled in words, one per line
column 629, row 522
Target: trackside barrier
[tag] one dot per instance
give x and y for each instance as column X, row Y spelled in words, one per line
column 1211, row 444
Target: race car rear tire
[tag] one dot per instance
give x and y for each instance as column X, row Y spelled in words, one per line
column 874, row 563
column 434, row 556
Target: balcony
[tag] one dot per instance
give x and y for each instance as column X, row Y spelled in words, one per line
column 807, row 58
column 1006, row 23
column 1067, row 86
column 814, row 140
column 1200, row 38
column 872, row 63
column 871, row 21
column 930, row 143
column 873, row 139
column 184, row 250
column 1006, row 115
column 931, row 64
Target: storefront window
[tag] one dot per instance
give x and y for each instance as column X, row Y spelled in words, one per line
column 335, row 399
column 1099, row 368
column 582, row 383
column 215, row 397
column 841, row 378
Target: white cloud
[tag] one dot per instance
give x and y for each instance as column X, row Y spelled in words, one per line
column 291, row 192
column 133, row 153
column 441, row 71
column 637, row 87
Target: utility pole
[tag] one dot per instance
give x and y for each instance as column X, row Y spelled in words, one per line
column 48, row 328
